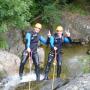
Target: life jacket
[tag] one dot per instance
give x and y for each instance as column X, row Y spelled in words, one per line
column 34, row 40
column 58, row 42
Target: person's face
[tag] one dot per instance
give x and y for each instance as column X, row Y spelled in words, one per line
column 37, row 30
column 59, row 32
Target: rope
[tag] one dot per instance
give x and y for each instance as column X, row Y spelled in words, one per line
column 30, row 65
column 54, row 64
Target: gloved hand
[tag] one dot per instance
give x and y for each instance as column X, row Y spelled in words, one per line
column 67, row 33
column 28, row 50
column 55, row 48
column 49, row 33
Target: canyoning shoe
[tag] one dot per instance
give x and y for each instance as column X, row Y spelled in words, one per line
column 46, row 78
column 38, row 79
column 20, row 77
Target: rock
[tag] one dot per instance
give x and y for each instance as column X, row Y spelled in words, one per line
column 41, row 54
column 79, row 83
column 15, row 41
column 79, row 26
column 42, row 85
column 9, row 63
column 88, row 52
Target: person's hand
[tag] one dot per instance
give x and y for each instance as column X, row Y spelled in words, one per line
column 67, row 33
column 49, row 33
column 55, row 48
column 28, row 50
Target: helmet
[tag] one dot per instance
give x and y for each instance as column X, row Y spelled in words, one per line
column 38, row 25
column 59, row 28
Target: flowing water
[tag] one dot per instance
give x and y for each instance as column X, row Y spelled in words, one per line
column 11, row 82
column 75, row 62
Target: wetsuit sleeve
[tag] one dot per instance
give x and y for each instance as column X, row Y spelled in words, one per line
column 28, row 39
column 67, row 40
column 42, row 40
column 52, row 42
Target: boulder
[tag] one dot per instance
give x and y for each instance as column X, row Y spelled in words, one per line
column 41, row 54
column 79, row 83
column 9, row 63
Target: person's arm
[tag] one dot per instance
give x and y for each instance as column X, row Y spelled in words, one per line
column 28, row 39
column 52, row 42
column 67, row 40
column 42, row 40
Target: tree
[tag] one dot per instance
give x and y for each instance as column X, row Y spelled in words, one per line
column 51, row 16
column 14, row 13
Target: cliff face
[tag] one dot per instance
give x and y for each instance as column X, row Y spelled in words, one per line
column 79, row 26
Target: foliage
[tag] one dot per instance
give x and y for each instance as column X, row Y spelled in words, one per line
column 14, row 13
column 51, row 16
column 18, row 13
column 75, row 8
column 3, row 42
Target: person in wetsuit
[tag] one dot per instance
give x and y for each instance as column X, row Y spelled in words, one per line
column 56, row 42
column 32, row 38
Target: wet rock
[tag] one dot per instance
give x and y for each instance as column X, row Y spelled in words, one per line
column 57, row 84
column 79, row 83
column 88, row 52
column 41, row 54
column 15, row 41
column 9, row 63
column 42, row 85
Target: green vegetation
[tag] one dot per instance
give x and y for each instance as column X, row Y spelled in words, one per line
column 3, row 42
column 14, row 13
column 76, row 8
column 21, row 13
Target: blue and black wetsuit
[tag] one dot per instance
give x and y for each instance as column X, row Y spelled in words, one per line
column 32, row 39
column 57, row 42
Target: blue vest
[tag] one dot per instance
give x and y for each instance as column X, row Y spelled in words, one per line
column 58, row 42
column 34, row 41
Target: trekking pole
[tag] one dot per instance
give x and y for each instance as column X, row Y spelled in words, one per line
column 54, row 65
column 30, row 65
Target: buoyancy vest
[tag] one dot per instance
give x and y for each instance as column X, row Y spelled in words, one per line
column 58, row 42
column 34, row 41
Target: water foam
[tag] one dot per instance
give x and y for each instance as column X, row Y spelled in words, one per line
column 13, row 81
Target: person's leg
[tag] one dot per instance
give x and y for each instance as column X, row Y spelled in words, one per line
column 59, row 63
column 23, row 62
column 35, row 58
column 49, row 62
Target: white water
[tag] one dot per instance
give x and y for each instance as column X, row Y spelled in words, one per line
column 13, row 81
